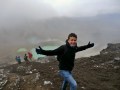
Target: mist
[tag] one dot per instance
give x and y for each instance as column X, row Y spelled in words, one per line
column 32, row 22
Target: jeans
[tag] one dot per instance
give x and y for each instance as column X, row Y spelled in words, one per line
column 68, row 79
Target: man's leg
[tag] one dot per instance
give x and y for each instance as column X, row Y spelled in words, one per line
column 73, row 84
column 64, row 85
column 69, row 79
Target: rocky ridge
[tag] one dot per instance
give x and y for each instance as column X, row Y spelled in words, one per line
column 99, row 72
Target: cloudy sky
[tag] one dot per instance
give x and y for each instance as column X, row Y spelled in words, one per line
column 14, row 12
column 84, row 7
column 10, row 9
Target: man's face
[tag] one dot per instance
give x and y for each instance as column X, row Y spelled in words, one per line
column 72, row 41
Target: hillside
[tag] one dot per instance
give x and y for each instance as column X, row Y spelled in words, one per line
column 100, row 72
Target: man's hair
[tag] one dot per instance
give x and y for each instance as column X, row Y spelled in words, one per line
column 72, row 35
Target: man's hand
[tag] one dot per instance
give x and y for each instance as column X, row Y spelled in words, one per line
column 90, row 44
column 39, row 51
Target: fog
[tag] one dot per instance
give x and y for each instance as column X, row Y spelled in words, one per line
column 17, row 11
column 32, row 22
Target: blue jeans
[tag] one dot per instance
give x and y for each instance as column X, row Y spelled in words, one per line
column 68, row 78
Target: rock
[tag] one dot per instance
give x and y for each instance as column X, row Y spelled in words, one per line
column 47, row 82
column 99, row 72
column 111, row 48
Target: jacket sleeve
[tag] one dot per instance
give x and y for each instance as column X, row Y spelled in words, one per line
column 81, row 48
column 56, row 51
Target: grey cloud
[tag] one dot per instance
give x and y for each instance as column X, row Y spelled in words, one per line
column 20, row 10
column 93, row 7
column 21, row 20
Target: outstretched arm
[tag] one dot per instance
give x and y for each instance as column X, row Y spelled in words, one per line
column 57, row 51
column 81, row 48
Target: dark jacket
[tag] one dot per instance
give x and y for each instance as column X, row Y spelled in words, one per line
column 65, row 55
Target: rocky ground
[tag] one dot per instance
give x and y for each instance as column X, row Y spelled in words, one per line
column 100, row 72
